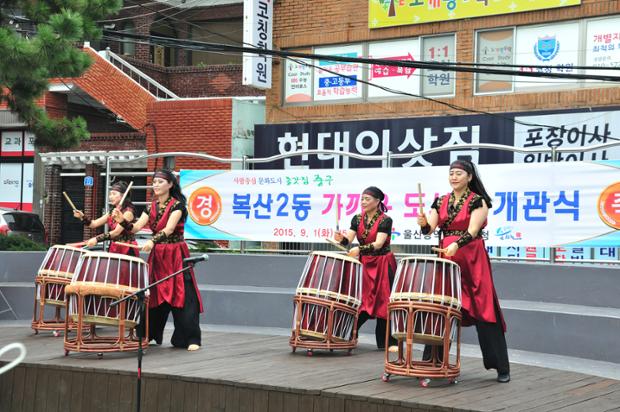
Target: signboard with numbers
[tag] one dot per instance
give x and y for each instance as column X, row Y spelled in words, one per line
column 438, row 49
column 548, row 205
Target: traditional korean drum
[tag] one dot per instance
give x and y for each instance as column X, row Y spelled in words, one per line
column 425, row 280
column 326, row 302
column 99, row 280
column 55, row 273
column 103, row 278
column 425, row 307
column 57, row 269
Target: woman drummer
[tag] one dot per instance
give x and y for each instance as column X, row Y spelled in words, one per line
column 461, row 215
column 373, row 229
column 117, row 233
column 166, row 217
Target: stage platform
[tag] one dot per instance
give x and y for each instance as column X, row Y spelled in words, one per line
column 254, row 372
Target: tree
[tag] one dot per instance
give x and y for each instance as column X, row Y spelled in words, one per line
column 28, row 58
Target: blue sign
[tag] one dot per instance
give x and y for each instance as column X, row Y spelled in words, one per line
column 88, row 180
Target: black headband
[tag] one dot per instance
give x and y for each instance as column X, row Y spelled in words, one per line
column 463, row 165
column 163, row 175
column 374, row 192
column 119, row 187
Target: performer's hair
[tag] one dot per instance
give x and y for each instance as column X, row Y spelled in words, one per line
column 121, row 187
column 375, row 192
column 175, row 190
column 475, row 185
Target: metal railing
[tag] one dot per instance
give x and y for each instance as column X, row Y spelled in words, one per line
column 144, row 80
column 304, row 248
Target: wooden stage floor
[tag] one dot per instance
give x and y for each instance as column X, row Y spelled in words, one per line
column 250, row 372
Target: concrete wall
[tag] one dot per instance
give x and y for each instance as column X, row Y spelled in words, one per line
column 559, row 309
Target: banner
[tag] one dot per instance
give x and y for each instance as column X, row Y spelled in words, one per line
column 377, row 137
column 544, row 129
column 533, row 204
column 388, row 13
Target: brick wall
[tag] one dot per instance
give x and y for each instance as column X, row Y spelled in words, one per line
column 117, row 92
column 53, row 203
column 107, row 142
column 299, row 24
column 92, row 201
column 193, row 81
column 55, row 104
column 190, row 126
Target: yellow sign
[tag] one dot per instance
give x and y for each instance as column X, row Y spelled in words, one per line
column 387, row 13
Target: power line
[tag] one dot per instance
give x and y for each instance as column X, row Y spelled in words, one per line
column 433, row 66
column 218, row 47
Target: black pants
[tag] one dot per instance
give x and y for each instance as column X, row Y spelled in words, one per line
column 186, row 319
column 492, row 344
column 380, row 330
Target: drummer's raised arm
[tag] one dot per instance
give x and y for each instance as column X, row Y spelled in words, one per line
column 428, row 222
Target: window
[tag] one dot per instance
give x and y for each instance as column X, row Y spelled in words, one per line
column 494, row 47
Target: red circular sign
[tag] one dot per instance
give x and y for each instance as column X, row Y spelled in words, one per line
column 608, row 205
column 205, row 206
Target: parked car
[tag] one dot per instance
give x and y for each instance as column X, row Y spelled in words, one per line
column 17, row 222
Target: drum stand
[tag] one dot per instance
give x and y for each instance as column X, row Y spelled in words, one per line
column 38, row 317
column 123, row 341
column 309, row 340
column 439, row 365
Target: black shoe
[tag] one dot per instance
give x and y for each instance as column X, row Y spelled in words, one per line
column 503, row 377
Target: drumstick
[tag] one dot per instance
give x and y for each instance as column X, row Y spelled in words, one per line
column 336, row 244
column 69, row 200
column 337, row 214
column 77, row 244
column 127, row 244
column 120, row 204
column 421, row 211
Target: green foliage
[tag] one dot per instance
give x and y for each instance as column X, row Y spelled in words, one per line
column 19, row 243
column 29, row 61
column 203, row 246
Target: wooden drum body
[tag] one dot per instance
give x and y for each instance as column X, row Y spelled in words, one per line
column 100, row 279
column 425, row 308
column 55, row 273
column 326, row 302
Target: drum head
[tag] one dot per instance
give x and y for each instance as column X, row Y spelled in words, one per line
column 337, row 256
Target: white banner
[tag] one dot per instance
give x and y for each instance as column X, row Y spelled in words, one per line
column 603, row 46
column 533, row 204
column 565, row 130
column 257, row 31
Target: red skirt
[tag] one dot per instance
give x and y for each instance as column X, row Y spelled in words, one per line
column 376, row 284
column 478, row 291
column 164, row 260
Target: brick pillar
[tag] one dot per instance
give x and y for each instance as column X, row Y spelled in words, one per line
column 143, row 27
column 182, row 55
column 53, row 203
column 92, row 200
